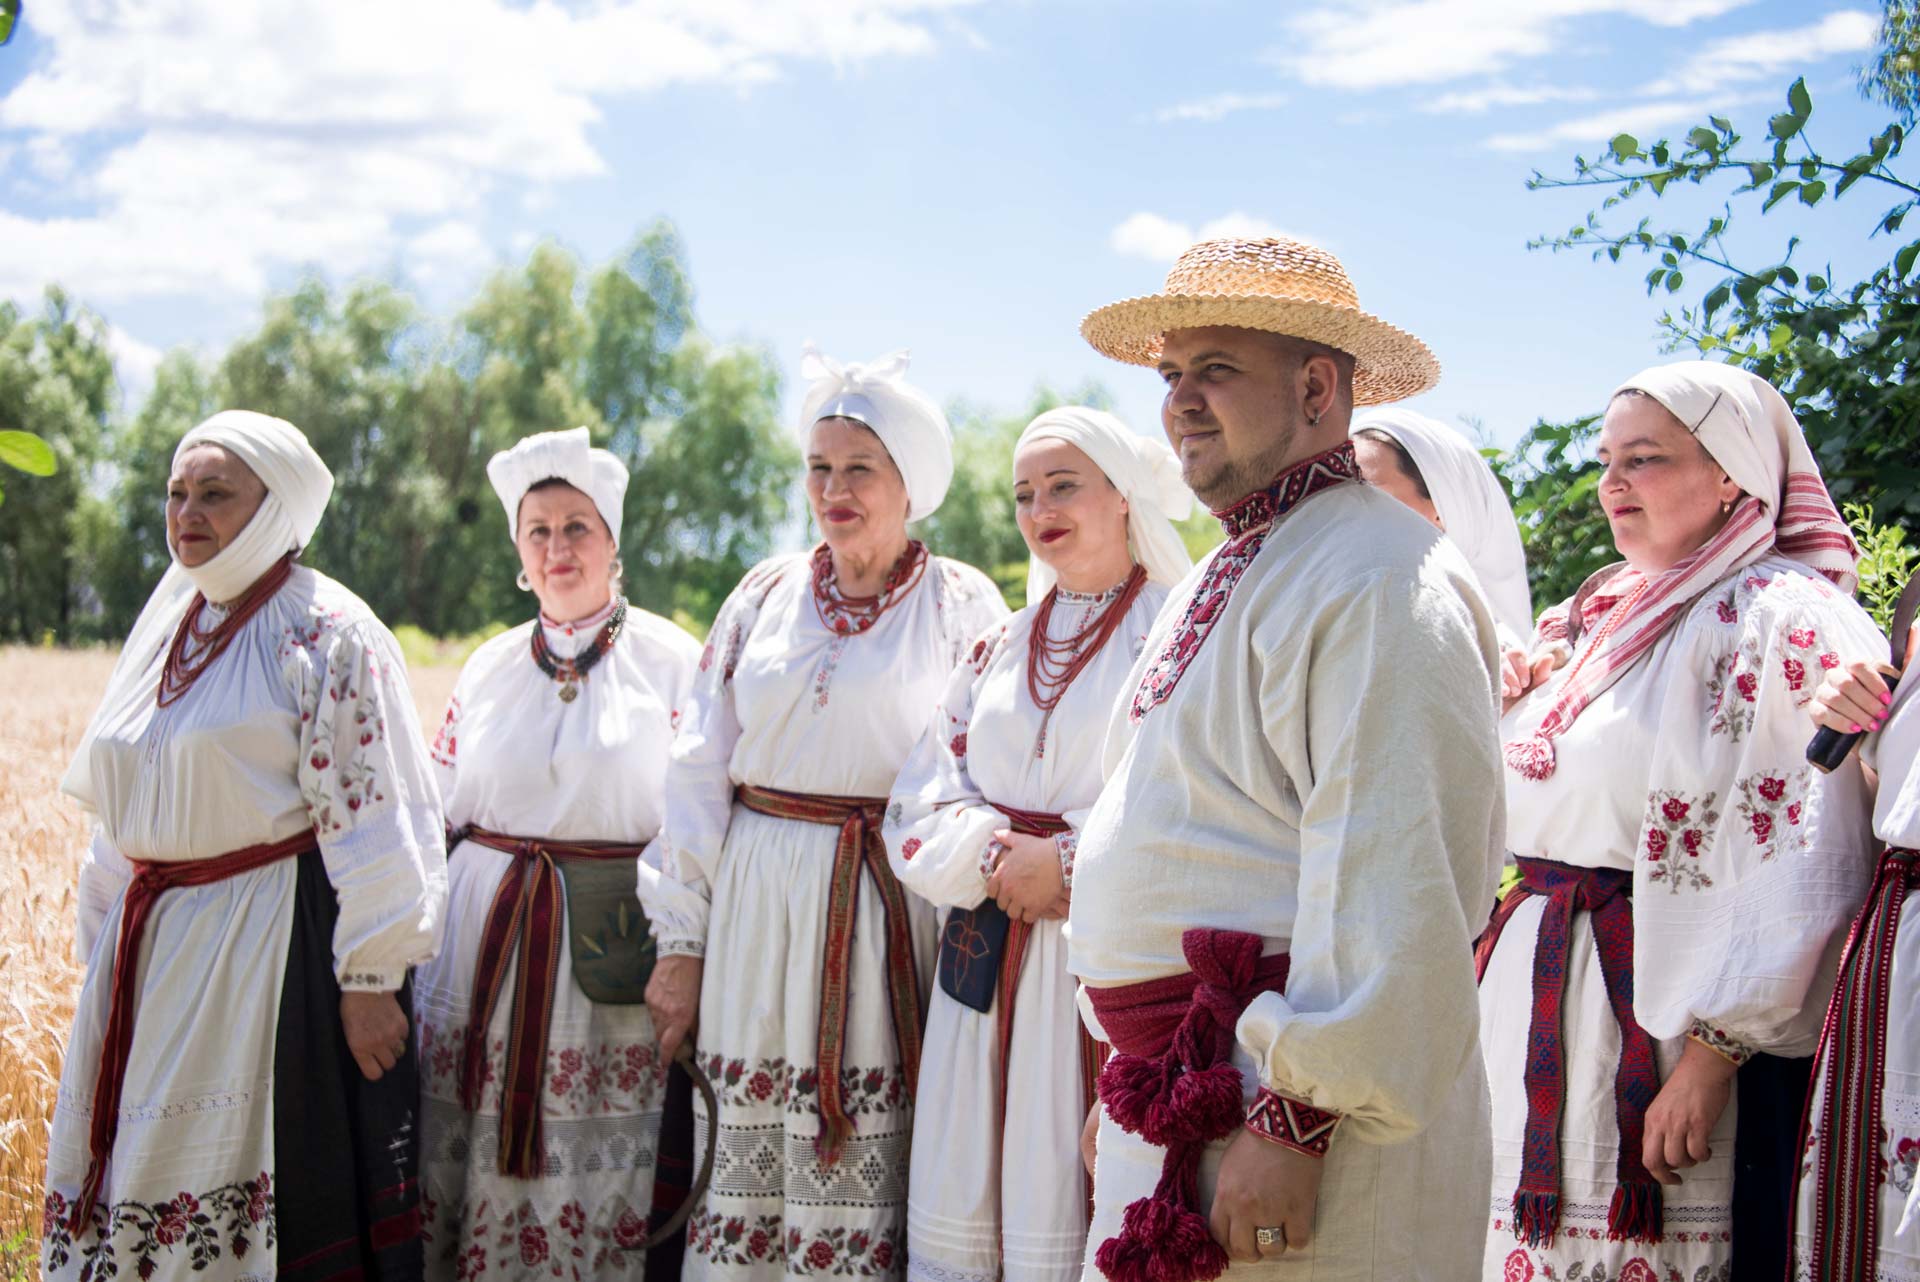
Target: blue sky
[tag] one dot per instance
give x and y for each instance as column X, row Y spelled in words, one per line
column 965, row 178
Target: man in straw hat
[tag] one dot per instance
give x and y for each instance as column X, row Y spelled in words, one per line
column 1278, row 889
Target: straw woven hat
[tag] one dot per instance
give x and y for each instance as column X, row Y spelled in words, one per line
column 1275, row 284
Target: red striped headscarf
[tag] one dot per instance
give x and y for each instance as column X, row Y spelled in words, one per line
column 1745, row 425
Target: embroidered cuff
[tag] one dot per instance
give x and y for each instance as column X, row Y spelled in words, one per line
column 372, row 981
column 1295, row 1123
column 1067, row 844
column 1731, row 1049
column 680, row 948
column 989, row 858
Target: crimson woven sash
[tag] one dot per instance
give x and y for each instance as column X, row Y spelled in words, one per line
column 858, row 819
column 528, row 905
column 1033, row 823
column 1171, row 1082
column 1853, row 1055
column 1605, row 895
column 151, row 879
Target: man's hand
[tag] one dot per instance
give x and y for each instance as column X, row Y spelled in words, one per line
column 673, row 999
column 1684, row 1113
column 1028, row 882
column 1264, row 1185
column 376, row 1031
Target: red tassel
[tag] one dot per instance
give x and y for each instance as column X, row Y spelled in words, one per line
column 1161, row 1242
column 1200, row 1107
column 1129, row 1087
column 1635, row 1215
column 832, row 1141
column 1536, row 1217
column 1532, row 757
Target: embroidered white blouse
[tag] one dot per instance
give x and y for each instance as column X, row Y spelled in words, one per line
column 1322, row 773
column 988, row 745
column 782, row 702
column 305, row 722
column 1691, row 770
column 515, row 759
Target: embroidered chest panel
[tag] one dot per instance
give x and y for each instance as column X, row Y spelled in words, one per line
column 1248, row 523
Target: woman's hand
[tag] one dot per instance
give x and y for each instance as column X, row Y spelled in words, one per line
column 1852, row 699
column 1089, row 1137
column 1682, row 1116
column 376, row 1031
column 673, row 999
column 1520, row 674
column 1028, row 881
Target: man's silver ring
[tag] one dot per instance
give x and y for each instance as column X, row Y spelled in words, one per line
column 1270, row 1237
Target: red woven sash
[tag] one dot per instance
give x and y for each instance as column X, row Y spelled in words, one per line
column 1033, row 823
column 1853, row 1054
column 151, row 879
column 530, row 904
column 1605, row 894
column 1170, row 1082
column 858, row 819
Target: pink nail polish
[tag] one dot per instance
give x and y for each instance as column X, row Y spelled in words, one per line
column 1876, row 724
column 1886, row 701
column 1855, row 729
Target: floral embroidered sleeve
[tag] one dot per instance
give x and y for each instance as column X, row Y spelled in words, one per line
column 677, row 893
column 369, row 787
column 1750, row 863
column 104, row 874
column 938, row 825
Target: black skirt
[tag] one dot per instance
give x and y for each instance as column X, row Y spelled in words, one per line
column 346, row 1150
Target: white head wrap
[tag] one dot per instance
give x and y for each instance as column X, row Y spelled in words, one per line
column 1748, row 428
column 908, row 423
column 1147, row 475
column 1472, row 505
column 568, row 456
column 298, row 487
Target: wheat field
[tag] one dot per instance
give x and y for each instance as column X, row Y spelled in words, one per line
column 46, row 697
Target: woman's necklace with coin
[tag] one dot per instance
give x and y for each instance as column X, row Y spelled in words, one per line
column 571, row 672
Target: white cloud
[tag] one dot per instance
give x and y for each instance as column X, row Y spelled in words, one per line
column 1219, row 106
column 1767, row 54
column 218, row 142
column 448, row 251
column 1603, row 125
column 1477, row 102
column 134, row 363
column 1371, row 44
column 1161, row 240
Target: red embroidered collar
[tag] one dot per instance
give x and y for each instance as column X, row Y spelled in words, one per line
column 1304, row 479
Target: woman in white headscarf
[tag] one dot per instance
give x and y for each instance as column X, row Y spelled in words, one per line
column 813, row 688
column 265, row 867
column 541, row 1076
column 1439, row 474
column 1686, row 875
column 983, row 825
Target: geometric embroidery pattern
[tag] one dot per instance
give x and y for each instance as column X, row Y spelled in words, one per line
column 1295, row 1123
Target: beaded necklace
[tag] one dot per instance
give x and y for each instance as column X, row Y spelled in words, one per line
column 180, row 672
column 849, row 616
column 571, row 672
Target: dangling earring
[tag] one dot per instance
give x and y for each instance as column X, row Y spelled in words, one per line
column 1313, row 418
column 1726, row 508
column 523, row 582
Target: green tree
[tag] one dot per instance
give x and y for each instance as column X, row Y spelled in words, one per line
column 56, row 391
column 1836, row 350
column 407, row 412
column 1893, row 77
